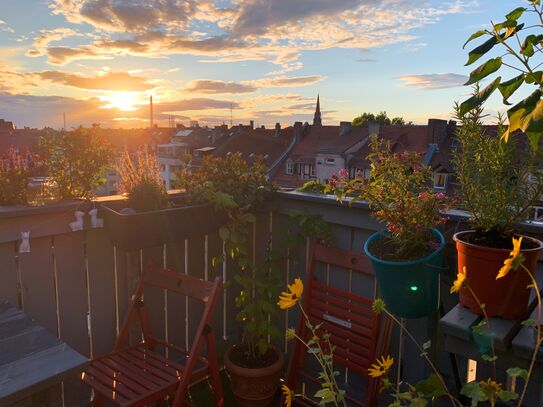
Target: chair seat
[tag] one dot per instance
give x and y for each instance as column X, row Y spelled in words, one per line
column 133, row 376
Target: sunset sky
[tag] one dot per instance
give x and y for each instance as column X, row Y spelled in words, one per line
column 99, row 60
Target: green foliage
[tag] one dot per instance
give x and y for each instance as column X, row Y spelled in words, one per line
column 316, row 187
column 14, row 173
column 509, row 173
column 139, row 178
column 518, row 44
column 76, row 160
column 487, row 390
column 381, row 118
column 240, row 189
column 400, row 195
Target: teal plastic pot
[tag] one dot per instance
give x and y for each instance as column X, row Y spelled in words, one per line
column 410, row 289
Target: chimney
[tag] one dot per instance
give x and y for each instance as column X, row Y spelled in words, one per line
column 277, row 129
column 298, row 130
column 252, row 124
column 151, row 111
column 451, row 128
column 373, row 128
column 437, row 131
column 344, row 128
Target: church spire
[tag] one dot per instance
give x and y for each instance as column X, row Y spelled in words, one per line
column 317, row 118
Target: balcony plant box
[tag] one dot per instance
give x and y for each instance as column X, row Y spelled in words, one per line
column 506, row 297
column 410, row 289
column 129, row 230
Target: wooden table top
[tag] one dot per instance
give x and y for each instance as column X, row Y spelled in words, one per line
column 509, row 336
column 31, row 358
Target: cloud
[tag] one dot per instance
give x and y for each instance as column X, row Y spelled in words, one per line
column 128, row 16
column 287, row 82
column 276, row 31
column 195, row 104
column 433, row 81
column 5, row 27
column 259, row 16
column 215, row 86
column 46, row 37
column 110, row 81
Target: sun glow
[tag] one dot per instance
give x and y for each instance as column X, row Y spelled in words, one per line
column 125, row 101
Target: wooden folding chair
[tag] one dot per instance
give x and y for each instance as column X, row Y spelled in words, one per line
column 138, row 375
column 359, row 334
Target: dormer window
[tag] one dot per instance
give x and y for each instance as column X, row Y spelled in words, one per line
column 289, row 167
column 330, row 161
column 440, row 180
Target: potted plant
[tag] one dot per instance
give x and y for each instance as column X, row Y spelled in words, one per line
column 150, row 216
column 406, row 256
column 231, row 184
column 509, row 173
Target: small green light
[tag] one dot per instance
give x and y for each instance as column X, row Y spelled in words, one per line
column 414, row 288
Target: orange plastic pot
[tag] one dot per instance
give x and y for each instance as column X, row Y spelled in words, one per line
column 507, row 297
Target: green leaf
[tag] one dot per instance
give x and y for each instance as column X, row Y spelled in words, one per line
column 529, row 322
column 427, row 345
column 418, row 402
column 479, row 98
column 489, row 358
column 535, row 77
column 224, row 233
column 517, row 372
column 527, row 47
column 505, row 24
column 473, row 36
column 505, row 395
column 515, row 14
column 527, row 116
column 431, row 387
column 482, row 49
column 509, row 87
column 474, row 392
column 490, row 66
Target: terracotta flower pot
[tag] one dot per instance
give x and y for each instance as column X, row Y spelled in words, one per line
column 254, row 387
column 507, row 297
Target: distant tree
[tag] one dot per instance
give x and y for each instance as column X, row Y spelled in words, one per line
column 76, row 160
column 381, row 118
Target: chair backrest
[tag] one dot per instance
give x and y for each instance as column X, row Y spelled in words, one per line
column 205, row 291
column 358, row 334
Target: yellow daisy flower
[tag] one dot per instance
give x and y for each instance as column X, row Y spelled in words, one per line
column 381, row 367
column 508, row 263
column 288, row 395
column 460, row 281
column 289, row 299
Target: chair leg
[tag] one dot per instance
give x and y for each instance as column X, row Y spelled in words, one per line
column 214, row 370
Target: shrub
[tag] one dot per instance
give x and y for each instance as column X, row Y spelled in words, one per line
column 139, row 179
column 76, row 160
column 509, row 173
column 14, row 173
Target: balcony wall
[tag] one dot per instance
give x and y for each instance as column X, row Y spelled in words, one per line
column 78, row 285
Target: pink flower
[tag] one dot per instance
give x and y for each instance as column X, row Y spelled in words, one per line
column 423, row 195
column 333, row 182
column 343, row 173
column 416, row 168
column 440, row 196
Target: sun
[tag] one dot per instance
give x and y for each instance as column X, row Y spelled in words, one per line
column 122, row 100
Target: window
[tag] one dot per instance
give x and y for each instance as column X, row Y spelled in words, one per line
column 306, row 171
column 330, row 161
column 289, row 167
column 440, row 180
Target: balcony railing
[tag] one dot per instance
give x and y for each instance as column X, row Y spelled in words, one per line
column 77, row 284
